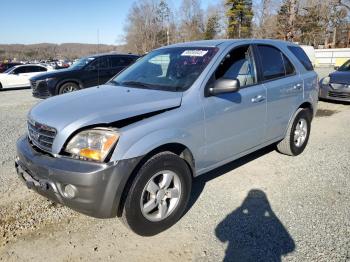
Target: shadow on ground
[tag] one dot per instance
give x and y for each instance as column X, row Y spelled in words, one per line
column 254, row 232
column 199, row 182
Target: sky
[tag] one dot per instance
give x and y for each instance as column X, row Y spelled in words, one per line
column 67, row 21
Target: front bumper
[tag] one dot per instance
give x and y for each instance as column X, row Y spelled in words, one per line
column 327, row 92
column 98, row 186
column 40, row 89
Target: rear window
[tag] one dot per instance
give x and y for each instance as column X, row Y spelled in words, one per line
column 302, row 57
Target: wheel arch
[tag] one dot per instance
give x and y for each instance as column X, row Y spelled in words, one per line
column 308, row 105
column 177, row 148
column 304, row 105
column 64, row 81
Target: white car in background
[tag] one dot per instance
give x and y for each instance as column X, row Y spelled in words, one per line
column 18, row 76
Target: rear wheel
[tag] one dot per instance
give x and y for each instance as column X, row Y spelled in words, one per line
column 158, row 195
column 68, row 87
column 0, row 86
column 297, row 134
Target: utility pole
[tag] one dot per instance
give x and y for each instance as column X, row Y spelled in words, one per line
column 292, row 17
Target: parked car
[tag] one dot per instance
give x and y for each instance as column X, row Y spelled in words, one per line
column 18, row 76
column 336, row 86
column 6, row 66
column 86, row 72
column 132, row 147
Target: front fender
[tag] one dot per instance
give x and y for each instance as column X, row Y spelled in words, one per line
column 156, row 139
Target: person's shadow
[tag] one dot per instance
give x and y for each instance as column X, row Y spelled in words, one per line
column 253, row 231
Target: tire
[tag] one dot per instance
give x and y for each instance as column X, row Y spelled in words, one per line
column 0, row 86
column 150, row 221
column 290, row 145
column 68, row 88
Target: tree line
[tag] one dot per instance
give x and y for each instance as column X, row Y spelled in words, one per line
column 321, row 23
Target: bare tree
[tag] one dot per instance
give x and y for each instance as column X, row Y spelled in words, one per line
column 191, row 20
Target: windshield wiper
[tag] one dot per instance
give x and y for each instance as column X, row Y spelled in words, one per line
column 135, row 83
column 151, row 86
column 113, row 82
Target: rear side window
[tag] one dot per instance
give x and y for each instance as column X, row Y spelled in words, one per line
column 288, row 66
column 274, row 63
column 117, row 61
column 34, row 69
column 302, row 57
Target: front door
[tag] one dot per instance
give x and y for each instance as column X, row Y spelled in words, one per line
column 235, row 122
column 98, row 72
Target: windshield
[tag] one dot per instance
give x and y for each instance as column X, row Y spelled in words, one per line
column 345, row 66
column 82, row 62
column 170, row 69
column 9, row 70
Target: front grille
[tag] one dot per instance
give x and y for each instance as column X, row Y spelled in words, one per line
column 339, row 94
column 41, row 135
column 33, row 84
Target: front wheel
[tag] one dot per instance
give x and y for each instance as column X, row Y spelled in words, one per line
column 297, row 135
column 158, row 195
column 68, row 87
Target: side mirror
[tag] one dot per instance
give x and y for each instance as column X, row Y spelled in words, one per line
column 336, row 67
column 222, row 86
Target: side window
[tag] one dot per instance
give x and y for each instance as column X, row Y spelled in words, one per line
column 288, row 66
column 117, row 61
column 101, row 63
column 20, row 70
column 271, row 62
column 302, row 57
column 34, row 69
column 238, row 64
column 41, row 69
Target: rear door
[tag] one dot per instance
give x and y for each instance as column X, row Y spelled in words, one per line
column 284, row 88
column 235, row 122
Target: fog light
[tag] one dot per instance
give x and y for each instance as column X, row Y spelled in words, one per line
column 69, row 191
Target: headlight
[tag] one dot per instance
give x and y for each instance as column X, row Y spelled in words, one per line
column 93, row 144
column 325, row 80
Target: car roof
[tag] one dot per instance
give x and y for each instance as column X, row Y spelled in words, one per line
column 17, row 66
column 218, row 42
column 111, row 54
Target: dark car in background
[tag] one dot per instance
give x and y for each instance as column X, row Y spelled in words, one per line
column 86, row 72
column 5, row 66
column 336, row 86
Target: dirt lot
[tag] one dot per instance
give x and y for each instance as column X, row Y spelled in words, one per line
column 265, row 207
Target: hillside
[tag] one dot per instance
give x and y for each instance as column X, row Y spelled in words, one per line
column 48, row 50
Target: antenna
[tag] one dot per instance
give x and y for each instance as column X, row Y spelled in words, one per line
column 98, row 51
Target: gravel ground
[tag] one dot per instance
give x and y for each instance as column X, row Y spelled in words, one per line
column 263, row 207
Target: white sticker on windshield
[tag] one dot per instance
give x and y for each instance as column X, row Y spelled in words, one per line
column 194, row 53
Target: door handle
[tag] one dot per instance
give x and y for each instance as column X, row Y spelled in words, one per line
column 297, row 87
column 258, row 99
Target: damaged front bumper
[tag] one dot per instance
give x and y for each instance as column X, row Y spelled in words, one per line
column 94, row 189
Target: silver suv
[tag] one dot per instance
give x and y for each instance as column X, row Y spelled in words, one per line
column 132, row 147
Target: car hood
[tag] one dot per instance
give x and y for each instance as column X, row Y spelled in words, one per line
column 340, row 77
column 54, row 73
column 100, row 105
